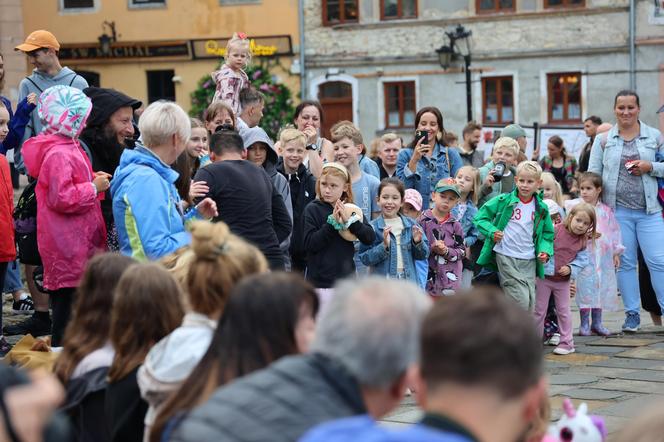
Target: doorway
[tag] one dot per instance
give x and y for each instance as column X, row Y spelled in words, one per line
column 336, row 98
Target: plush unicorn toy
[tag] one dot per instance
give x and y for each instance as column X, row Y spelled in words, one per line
column 577, row 426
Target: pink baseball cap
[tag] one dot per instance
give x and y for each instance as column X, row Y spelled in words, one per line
column 414, row 198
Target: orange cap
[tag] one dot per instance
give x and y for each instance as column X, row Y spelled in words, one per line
column 37, row 40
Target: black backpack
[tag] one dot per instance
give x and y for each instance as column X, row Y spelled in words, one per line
column 25, row 224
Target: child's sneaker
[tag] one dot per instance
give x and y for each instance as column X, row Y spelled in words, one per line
column 5, row 347
column 554, row 340
column 24, row 306
column 560, row 350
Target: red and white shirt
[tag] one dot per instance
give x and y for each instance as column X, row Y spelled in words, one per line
column 517, row 239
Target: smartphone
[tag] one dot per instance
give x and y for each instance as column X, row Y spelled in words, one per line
column 422, row 135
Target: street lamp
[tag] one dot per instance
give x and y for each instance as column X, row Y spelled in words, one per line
column 105, row 40
column 458, row 47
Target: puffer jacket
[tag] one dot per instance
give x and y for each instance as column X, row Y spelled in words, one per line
column 278, row 404
column 7, row 247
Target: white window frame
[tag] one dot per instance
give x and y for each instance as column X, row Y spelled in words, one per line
column 477, row 92
column 380, row 93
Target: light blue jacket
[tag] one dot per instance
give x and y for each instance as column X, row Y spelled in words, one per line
column 147, row 207
column 470, row 232
column 605, row 161
column 384, row 261
column 581, row 260
column 429, row 171
column 367, row 165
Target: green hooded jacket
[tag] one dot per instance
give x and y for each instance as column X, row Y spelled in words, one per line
column 496, row 213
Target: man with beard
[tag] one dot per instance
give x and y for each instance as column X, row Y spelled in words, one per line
column 470, row 156
column 388, row 150
column 109, row 130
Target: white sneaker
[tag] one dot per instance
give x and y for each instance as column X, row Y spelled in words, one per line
column 554, row 340
column 563, row 351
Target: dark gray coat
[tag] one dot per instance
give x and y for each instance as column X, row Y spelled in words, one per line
column 278, row 403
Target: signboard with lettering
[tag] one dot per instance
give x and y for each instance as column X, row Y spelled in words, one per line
column 271, row 46
column 125, row 51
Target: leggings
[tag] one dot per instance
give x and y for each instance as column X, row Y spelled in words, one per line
column 61, row 302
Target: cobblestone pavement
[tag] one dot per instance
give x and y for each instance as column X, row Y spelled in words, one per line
column 617, row 376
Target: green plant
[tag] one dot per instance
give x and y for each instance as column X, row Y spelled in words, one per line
column 278, row 109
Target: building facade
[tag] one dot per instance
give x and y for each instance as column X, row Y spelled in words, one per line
column 154, row 49
column 554, row 62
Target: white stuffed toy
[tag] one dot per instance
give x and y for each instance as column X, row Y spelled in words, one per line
column 577, row 426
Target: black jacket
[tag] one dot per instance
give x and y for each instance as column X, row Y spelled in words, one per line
column 85, row 405
column 277, row 404
column 303, row 191
column 125, row 410
column 329, row 256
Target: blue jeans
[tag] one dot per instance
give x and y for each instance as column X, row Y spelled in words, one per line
column 12, row 278
column 640, row 229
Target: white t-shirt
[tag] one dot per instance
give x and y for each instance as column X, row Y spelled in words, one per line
column 517, row 239
column 397, row 228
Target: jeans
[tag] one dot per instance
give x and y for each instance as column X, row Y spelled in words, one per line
column 640, row 229
column 12, row 278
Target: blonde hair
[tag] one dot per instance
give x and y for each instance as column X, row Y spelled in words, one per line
column 474, row 193
column 220, row 260
column 161, row 120
column 529, row 167
column 290, row 134
column 586, row 209
column 339, row 171
column 240, row 41
column 346, row 129
column 506, row 143
column 549, row 180
column 196, row 123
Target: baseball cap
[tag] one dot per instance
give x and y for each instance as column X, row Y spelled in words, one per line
column 553, row 207
column 414, row 198
column 37, row 40
column 513, row 131
column 446, row 184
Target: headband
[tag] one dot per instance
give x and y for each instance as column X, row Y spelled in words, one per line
column 338, row 166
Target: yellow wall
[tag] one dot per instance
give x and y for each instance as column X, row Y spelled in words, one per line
column 180, row 20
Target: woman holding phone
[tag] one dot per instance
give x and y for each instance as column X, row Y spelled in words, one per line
column 427, row 159
column 628, row 157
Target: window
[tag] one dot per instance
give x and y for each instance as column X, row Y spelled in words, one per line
column 147, row 3
column 497, row 100
column 340, row 11
column 238, row 2
column 160, row 85
column 399, row 104
column 396, row 9
column 91, row 77
column 564, row 3
column 564, row 91
column 491, row 6
column 78, row 4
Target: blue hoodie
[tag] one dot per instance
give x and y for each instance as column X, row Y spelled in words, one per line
column 147, row 207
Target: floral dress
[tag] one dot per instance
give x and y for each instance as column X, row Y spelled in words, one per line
column 229, row 84
column 596, row 284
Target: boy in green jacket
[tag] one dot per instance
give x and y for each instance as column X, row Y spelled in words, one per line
column 519, row 235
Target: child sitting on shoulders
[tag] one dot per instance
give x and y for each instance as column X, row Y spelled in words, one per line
column 231, row 78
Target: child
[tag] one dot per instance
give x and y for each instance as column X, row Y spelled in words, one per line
column 468, row 181
column 348, row 147
column 445, row 235
column 412, row 208
column 596, row 285
column 398, row 239
column 505, row 151
column 231, row 78
column 7, row 247
column 551, row 189
column 329, row 256
column 569, row 257
column 302, row 189
column 519, row 235
column 219, row 114
column 198, row 148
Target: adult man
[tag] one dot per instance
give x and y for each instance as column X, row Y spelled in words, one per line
column 468, row 388
column 246, row 197
column 109, row 126
column 590, row 126
column 364, row 348
column 42, row 48
column 472, row 132
column 516, row 132
column 388, row 150
column 252, row 102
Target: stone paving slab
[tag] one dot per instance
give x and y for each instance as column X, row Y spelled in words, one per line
column 630, row 407
column 571, row 379
column 643, row 375
column 560, row 389
column 623, row 385
column 599, row 349
column 604, row 372
column 624, row 342
column 593, row 394
column 556, row 403
column 615, row 424
column 405, row 416
column 634, row 364
column 576, row 358
column 553, row 365
column 643, row 353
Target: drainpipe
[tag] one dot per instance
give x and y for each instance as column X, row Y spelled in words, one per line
column 303, row 78
column 632, row 44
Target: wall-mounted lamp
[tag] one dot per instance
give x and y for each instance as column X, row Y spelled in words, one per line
column 106, row 40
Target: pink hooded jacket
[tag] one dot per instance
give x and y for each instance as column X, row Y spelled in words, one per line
column 70, row 226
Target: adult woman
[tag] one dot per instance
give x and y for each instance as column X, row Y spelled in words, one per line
column 625, row 157
column 70, row 225
column 559, row 163
column 146, row 204
column 427, row 159
column 267, row 317
column 308, row 118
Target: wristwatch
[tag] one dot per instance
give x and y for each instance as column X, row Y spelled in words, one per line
column 312, row 147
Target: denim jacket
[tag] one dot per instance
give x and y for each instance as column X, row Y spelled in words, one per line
column 429, row 171
column 605, row 161
column 470, row 232
column 384, row 261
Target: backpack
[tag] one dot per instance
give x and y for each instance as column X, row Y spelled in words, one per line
column 25, row 224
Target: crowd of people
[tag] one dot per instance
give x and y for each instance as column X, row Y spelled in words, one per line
column 209, row 283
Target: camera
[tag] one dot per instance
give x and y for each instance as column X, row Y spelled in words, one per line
column 499, row 171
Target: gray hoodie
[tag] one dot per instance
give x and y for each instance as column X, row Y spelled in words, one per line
column 38, row 82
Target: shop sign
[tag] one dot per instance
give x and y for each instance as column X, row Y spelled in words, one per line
column 123, row 51
column 270, row 46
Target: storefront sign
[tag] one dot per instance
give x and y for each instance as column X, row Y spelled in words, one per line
column 259, row 46
column 123, row 51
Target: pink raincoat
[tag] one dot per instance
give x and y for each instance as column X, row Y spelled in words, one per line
column 70, row 226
